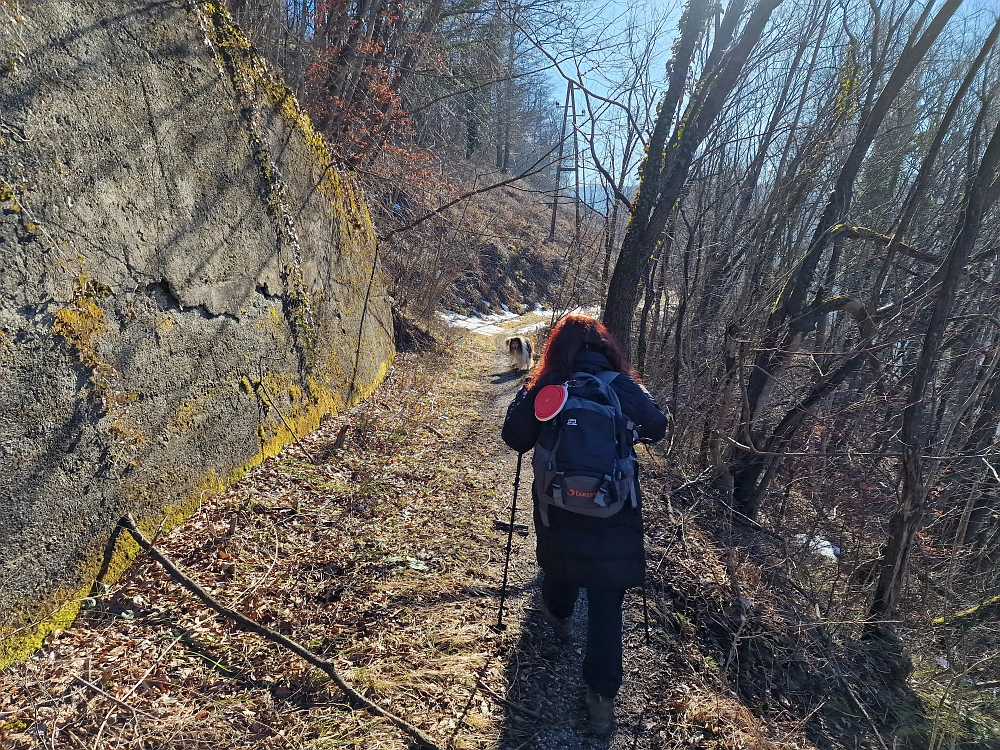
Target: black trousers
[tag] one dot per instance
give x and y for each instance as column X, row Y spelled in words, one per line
column 602, row 663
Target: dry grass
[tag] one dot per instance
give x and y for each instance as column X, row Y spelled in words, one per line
column 372, row 554
column 382, row 557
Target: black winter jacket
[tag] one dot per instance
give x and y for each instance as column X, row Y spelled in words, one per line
column 583, row 550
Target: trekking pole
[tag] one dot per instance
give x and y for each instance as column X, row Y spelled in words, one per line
column 645, row 611
column 645, row 607
column 500, row 627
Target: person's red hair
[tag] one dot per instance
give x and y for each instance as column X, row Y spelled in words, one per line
column 573, row 334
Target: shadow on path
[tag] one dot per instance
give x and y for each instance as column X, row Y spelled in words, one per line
column 509, row 376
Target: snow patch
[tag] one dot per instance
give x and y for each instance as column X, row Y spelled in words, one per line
column 532, row 327
column 820, row 546
column 485, row 325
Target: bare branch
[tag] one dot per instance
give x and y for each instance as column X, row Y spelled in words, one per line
column 245, row 623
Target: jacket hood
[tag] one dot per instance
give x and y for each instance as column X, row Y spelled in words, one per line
column 591, row 362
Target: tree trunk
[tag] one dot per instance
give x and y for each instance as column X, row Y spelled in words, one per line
column 906, row 521
column 663, row 189
column 617, row 316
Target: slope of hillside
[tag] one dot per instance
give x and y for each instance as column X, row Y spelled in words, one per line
column 490, row 251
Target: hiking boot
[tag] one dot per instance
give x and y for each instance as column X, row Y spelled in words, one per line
column 602, row 712
column 562, row 627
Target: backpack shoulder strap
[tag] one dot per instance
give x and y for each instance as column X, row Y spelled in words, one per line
column 606, row 376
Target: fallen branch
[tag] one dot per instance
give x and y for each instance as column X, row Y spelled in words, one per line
column 432, row 431
column 986, row 608
column 245, row 623
column 989, row 685
column 838, row 454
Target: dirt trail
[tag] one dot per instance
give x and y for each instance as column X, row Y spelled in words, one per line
column 371, row 541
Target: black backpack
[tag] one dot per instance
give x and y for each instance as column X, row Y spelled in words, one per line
column 583, row 460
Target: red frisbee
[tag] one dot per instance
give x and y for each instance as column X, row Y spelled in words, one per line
column 550, row 401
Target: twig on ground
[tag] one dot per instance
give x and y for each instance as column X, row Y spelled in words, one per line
column 510, row 704
column 111, row 698
column 338, row 444
column 733, row 649
column 147, row 673
column 265, row 576
column 691, row 482
column 734, row 583
column 854, row 699
column 245, row 623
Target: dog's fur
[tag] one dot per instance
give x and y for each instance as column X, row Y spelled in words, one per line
column 519, row 349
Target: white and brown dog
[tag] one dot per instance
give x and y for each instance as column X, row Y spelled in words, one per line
column 519, row 349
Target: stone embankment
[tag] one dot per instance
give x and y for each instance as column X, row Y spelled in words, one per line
column 188, row 282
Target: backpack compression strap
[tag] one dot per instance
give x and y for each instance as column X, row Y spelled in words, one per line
column 607, row 377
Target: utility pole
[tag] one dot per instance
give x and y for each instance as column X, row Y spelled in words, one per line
column 570, row 103
column 576, row 169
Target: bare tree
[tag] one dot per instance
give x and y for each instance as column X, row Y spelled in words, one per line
column 663, row 174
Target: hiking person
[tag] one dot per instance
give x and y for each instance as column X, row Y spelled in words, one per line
column 588, row 535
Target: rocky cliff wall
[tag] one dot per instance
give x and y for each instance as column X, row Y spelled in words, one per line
column 186, row 280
